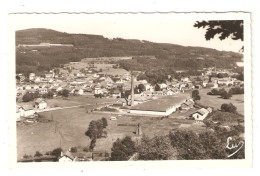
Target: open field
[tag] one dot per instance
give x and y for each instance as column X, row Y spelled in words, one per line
column 77, row 100
column 114, row 71
column 216, row 101
column 69, row 126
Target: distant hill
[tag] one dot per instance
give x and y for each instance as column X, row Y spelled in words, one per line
column 39, row 59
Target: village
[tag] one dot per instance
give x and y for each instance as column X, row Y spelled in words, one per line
column 102, row 89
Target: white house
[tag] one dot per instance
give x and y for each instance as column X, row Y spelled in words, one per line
column 59, row 89
column 98, row 90
column 67, row 157
column 37, row 80
column 40, row 104
column 27, row 110
column 79, row 91
column 201, row 114
column 32, row 76
column 43, row 90
column 162, row 86
column 28, row 87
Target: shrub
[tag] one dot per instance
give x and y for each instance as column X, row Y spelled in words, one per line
column 56, row 152
column 195, row 95
column 104, row 120
column 228, row 108
column 37, row 154
column 226, row 95
column 73, row 149
column 26, row 156
column 86, row 149
column 28, row 97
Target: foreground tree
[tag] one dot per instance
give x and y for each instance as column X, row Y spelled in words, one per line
column 123, row 149
column 223, row 28
column 187, row 144
column 156, row 148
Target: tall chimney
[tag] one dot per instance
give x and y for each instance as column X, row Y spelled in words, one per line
column 132, row 88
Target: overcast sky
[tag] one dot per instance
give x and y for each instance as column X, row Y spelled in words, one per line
column 163, row 28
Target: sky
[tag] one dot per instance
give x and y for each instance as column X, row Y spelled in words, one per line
column 161, row 28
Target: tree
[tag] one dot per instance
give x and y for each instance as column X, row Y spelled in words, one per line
column 195, row 95
column 187, row 144
column 92, row 144
column 92, row 130
column 228, row 108
column 141, row 88
column 28, row 97
column 64, row 93
column 157, row 87
column 226, row 95
column 99, row 124
column 17, row 78
column 104, row 120
column 123, row 149
column 156, row 148
column 224, row 28
column 56, row 152
column 213, row 147
column 125, row 95
column 215, row 92
column 50, row 94
column 36, row 94
column 37, row 154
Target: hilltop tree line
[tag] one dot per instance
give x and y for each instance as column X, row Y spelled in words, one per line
column 168, row 55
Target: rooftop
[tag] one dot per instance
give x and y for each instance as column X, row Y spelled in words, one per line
column 161, row 104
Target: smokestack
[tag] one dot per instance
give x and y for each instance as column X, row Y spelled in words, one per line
column 132, row 89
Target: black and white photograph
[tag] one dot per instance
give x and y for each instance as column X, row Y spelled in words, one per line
column 96, row 87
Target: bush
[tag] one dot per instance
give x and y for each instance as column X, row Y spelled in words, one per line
column 104, row 120
column 214, row 92
column 25, row 156
column 56, row 152
column 73, row 149
column 237, row 90
column 226, row 95
column 28, row 97
column 195, row 95
column 37, row 154
column 228, row 108
column 86, row 149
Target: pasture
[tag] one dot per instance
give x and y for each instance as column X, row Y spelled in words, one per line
column 69, row 126
column 77, row 101
column 216, row 101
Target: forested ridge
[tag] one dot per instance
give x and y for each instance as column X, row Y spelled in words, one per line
column 169, row 56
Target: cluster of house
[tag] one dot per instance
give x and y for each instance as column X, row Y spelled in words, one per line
column 29, row 110
column 81, row 156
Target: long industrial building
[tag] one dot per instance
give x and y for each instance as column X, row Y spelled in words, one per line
column 161, row 107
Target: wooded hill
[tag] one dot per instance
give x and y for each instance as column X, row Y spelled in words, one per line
column 169, row 56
